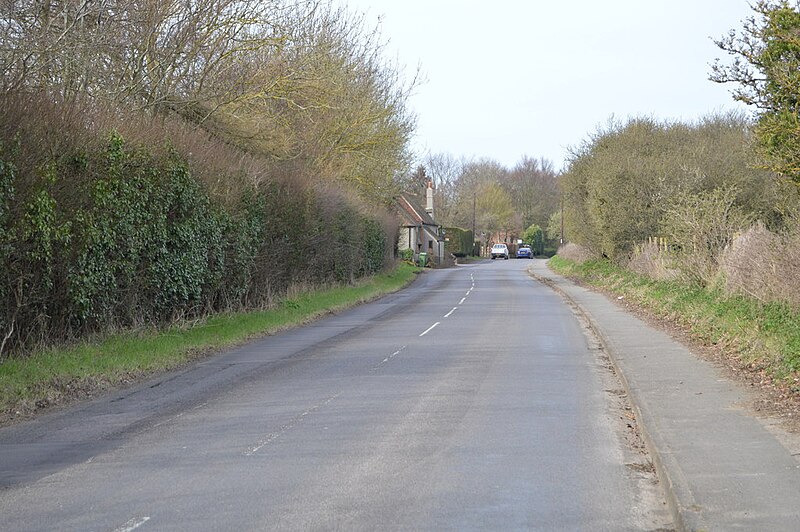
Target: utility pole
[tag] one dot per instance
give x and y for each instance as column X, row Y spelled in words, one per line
column 473, row 223
column 562, row 218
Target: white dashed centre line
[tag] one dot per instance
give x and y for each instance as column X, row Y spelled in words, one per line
column 449, row 313
column 269, row 438
column 133, row 524
column 387, row 359
column 462, row 300
column 429, row 329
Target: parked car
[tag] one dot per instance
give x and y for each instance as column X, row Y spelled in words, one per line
column 499, row 250
column 524, row 252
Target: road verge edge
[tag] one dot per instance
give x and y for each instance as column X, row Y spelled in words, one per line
column 680, row 502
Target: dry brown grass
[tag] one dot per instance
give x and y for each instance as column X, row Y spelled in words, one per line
column 575, row 253
column 650, row 260
column 764, row 265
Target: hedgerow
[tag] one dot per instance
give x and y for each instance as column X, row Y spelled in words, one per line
column 99, row 232
column 459, row 241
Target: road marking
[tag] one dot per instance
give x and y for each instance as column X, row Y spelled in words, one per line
column 387, row 359
column 462, row 300
column 133, row 524
column 429, row 329
column 269, row 438
column 448, row 314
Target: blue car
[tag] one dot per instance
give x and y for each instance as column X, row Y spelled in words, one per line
column 524, row 252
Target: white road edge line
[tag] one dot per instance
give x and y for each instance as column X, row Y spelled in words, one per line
column 449, row 313
column 429, row 329
column 133, row 524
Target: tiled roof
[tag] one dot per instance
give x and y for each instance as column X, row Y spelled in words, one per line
column 412, row 211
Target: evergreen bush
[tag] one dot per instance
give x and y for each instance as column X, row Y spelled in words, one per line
column 459, row 241
column 97, row 232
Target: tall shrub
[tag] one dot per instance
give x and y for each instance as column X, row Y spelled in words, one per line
column 459, row 241
column 623, row 180
column 97, row 231
column 700, row 227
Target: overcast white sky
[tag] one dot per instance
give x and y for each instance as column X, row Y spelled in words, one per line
column 507, row 78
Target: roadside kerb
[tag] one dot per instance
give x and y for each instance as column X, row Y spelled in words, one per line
column 720, row 467
column 674, row 489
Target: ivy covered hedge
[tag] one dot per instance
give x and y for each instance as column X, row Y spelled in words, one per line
column 108, row 233
column 459, row 241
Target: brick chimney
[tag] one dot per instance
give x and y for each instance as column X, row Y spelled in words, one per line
column 429, row 199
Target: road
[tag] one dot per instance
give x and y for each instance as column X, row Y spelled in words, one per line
column 472, row 400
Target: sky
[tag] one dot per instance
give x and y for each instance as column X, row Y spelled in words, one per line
column 503, row 79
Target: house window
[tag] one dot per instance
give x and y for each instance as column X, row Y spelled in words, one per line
column 430, row 244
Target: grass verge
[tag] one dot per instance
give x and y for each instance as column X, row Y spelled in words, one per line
column 61, row 374
column 761, row 336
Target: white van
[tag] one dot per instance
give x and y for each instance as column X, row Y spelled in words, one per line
column 499, row 250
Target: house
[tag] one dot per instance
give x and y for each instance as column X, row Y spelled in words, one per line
column 418, row 230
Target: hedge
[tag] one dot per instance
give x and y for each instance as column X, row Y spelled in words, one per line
column 111, row 234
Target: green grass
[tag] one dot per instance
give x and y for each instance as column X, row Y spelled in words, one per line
column 58, row 373
column 761, row 335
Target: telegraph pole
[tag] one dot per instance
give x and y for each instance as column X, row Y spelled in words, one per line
column 473, row 223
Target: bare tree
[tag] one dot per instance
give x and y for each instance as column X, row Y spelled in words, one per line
column 445, row 170
column 765, row 71
column 533, row 185
column 141, row 52
column 302, row 81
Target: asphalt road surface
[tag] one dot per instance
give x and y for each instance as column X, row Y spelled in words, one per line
column 470, row 401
